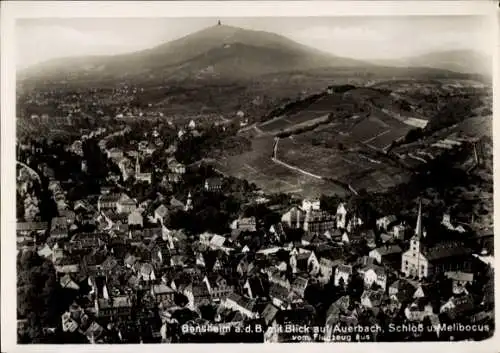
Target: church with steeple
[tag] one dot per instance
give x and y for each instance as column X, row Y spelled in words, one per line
column 425, row 258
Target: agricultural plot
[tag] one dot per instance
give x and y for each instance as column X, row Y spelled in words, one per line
column 257, row 167
column 369, row 128
column 383, row 141
column 336, row 150
column 347, row 167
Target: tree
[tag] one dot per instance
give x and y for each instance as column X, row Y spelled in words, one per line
column 208, row 312
column 36, row 288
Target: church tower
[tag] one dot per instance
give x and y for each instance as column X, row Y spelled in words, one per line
column 189, row 203
column 414, row 262
column 415, row 245
column 137, row 166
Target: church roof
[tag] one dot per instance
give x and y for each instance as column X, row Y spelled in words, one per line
column 446, row 250
column 418, row 227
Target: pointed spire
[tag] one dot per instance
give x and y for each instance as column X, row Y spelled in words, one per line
column 137, row 165
column 418, row 227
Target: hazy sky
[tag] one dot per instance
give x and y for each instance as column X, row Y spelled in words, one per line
column 39, row 40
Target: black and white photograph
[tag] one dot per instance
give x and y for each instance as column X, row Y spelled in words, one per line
column 251, row 179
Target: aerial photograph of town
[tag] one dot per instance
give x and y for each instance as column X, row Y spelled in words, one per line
column 254, row 180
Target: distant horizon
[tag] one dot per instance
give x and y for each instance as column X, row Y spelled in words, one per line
column 361, row 38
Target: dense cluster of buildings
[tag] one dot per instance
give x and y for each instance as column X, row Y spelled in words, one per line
column 133, row 276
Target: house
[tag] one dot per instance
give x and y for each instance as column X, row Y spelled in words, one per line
column 75, row 319
column 343, row 274
column 276, row 276
column 178, row 260
column 386, row 253
column 118, row 306
column 114, row 153
column 373, row 274
column 45, row 251
column 269, row 314
column 279, row 296
column 135, row 218
column 341, row 216
column 419, row 292
column 325, row 269
column 354, row 223
column 401, row 292
column 446, row 222
column 398, row 231
column 245, row 266
column 68, row 323
column 310, row 205
column 67, row 282
column 217, row 241
column 304, row 261
column 385, row 222
column 372, row 298
column 83, row 206
column 213, row 184
column 197, row 294
column 247, row 307
column 69, row 215
column 146, row 272
column 418, row 310
column 162, row 292
column 192, row 125
column 125, row 204
column 161, row 213
column 107, row 201
column 255, row 287
column 173, row 178
column 109, row 266
column 293, row 218
column 30, row 229
column 423, row 260
column 67, row 265
column 176, row 167
column 460, row 280
column 277, row 232
column 299, row 286
column 318, row 222
column 57, row 253
column 248, row 224
column 218, row 287
column 86, row 241
column 458, row 306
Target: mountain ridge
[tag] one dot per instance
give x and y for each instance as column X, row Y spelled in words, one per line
column 459, row 60
column 210, row 53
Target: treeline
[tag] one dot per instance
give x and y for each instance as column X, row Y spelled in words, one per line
column 294, row 107
column 193, row 148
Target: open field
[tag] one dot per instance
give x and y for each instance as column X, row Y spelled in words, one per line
column 349, row 167
column 257, row 166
